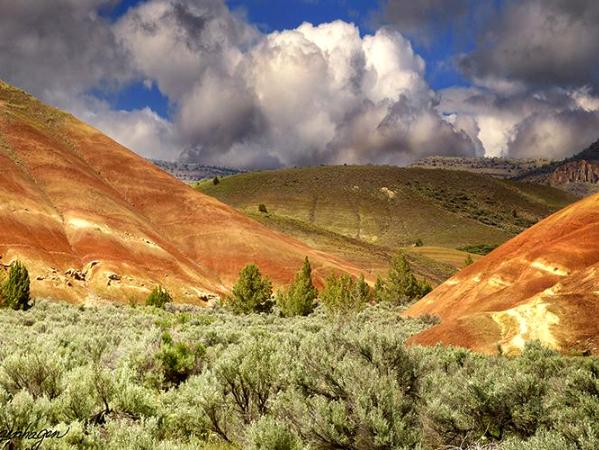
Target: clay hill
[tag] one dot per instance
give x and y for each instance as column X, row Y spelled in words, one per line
column 92, row 219
column 542, row 285
column 578, row 174
column 365, row 214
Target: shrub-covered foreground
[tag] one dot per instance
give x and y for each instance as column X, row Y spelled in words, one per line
column 146, row 378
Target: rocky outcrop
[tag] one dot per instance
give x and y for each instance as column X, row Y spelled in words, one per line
column 575, row 172
column 578, row 174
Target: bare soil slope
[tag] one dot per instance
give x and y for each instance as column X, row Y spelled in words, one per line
column 92, row 219
column 542, row 285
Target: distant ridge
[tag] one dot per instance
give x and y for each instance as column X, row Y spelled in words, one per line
column 502, row 168
column 191, row 172
column 578, row 174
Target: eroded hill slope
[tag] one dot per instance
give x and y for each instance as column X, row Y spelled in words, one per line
column 542, row 285
column 92, row 219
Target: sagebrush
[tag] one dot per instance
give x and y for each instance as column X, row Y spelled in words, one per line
column 186, row 378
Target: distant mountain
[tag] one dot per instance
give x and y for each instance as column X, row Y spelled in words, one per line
column 192, row 172
column 91, row 219
column 364, row 213
column 541, row 285
column 578, row 174
column 496, row 167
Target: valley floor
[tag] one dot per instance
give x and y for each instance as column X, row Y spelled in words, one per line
column 119, row 377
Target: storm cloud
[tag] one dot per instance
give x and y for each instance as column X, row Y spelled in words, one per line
column 424, row 18
column 313, row 94
column 539, row 43
column 59, row 49
column 532, row 65
column 552, row 123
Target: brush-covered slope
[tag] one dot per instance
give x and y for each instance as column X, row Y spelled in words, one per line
column 542, row 285
column 395, row 206
column 365, row 214
column 92, row 219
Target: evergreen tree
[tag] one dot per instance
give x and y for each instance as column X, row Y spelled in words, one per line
column 299, row 298
column 15, row 291
column 343, row 294
column 215, row 181
column 159, row 297
column 401, row 286
column 468, row 261
column 252, row 292
column 362, row 292
column 380, row 289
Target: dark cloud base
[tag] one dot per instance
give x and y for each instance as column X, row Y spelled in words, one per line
column 321, row 94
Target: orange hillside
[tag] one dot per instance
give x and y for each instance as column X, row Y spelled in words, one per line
column 92, row 219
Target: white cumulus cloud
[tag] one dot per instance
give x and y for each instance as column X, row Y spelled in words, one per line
column 304, row 96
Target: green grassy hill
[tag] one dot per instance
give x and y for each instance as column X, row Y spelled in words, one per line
column 366, row 213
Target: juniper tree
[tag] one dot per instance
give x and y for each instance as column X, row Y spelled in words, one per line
column 362, row 292
column 15, row 291
column 252, row 292
column 401, row 286
column 299, row 299
column 343, row 294
column 159, row 297
column 379, row 288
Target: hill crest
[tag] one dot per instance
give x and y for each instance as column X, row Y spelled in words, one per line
column 92, row 219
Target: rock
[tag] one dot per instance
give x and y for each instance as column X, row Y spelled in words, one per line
column 575, row 171
column 388, row 192
column 89, row 266
column 75, row 274
column 112, row 277
column 210, row 299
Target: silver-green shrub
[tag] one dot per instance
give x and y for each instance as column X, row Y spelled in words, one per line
column 190, row 378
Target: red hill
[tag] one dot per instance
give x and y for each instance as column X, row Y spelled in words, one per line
column 92, row 219
column 541, row 285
